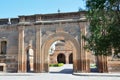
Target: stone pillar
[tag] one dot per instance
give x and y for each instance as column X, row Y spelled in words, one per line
column 66, row 58
column 21, row 55
column 102, row 64
column 105, row 70
column 38, row 55
column 84, row 61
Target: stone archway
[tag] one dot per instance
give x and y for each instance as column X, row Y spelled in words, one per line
column 61, row 58
column 66, row 37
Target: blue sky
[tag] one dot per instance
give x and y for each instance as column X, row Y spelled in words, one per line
column 14, row 8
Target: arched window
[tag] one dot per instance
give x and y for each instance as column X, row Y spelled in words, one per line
column 3, row 47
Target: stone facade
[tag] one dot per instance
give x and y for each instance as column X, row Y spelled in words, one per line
column 36, row 33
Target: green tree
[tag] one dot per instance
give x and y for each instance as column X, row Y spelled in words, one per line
column 104, row 19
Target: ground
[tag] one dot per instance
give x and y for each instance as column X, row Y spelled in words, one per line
column 51, row 76
column 61, row 73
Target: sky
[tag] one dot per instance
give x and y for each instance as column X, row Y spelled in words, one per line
column 15, row 8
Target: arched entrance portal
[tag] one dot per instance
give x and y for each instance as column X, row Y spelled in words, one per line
column 71, row 58
column 61, row 58
column 66, row 37
column 30, row 60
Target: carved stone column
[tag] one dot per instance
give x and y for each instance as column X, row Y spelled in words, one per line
column 102, row 64
column 38, row 55
column 84, row 61
column 67, row 58
column 21, row 55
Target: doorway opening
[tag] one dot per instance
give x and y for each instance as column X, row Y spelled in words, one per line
column 59, row 57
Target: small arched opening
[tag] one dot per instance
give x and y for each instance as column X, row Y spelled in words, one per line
column 61, row 58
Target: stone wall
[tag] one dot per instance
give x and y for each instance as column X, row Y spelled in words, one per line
column 39, row 32
column 113, row 64
column 11, row 56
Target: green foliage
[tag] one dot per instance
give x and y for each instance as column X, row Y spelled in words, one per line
column 53, row 65
column 104, row 18
column 60, row 64
column 56, row 65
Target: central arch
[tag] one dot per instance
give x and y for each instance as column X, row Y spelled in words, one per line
column 61, row 36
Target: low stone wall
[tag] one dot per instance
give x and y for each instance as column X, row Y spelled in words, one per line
column 114, row 66
column 8, row 64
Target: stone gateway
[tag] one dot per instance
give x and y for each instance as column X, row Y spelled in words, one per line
column 25, row 43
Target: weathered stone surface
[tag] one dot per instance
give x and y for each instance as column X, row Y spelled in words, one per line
column 39, row 32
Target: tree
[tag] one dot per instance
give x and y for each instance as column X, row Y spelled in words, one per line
column 104, row 19
column 80, row 9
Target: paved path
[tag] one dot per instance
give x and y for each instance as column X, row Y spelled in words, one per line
column 51, row 76
column 66, row 69
column 61, row 73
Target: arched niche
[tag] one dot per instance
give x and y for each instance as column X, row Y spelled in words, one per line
column 30, row 59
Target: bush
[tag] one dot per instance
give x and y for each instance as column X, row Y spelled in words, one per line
column 60, row 64
column 51, row 65
column 56, row 65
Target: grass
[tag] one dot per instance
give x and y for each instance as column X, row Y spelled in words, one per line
column 56, row 65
